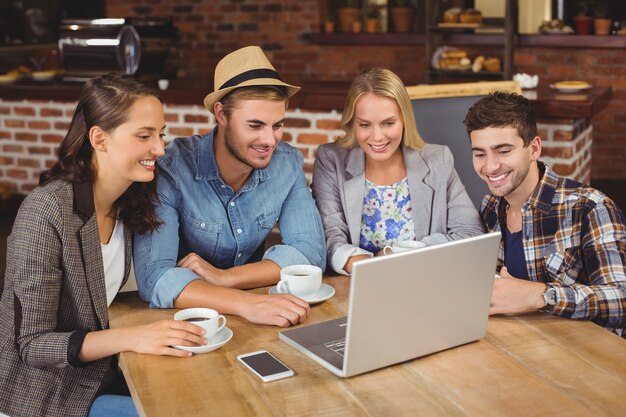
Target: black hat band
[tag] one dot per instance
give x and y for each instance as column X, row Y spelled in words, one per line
column 250, row 75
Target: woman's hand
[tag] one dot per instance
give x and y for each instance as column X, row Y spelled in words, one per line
column 158, row 338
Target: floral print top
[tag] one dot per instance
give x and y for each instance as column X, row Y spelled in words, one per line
column 386, row 215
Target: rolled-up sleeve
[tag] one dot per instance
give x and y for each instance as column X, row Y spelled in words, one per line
column 300, row 227
column 159, row 280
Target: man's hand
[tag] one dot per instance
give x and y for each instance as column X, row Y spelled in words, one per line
column 281, row 310
column 514, row 295
column 204, row 270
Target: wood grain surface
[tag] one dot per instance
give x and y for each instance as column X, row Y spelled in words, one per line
column 528, row 365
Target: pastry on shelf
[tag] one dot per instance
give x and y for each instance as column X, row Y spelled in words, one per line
column 471, row 16
column 452, row 15
column 492, row 64
column 456, row 59
column 477, row 65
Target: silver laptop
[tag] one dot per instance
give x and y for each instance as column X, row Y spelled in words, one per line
column 406, row 305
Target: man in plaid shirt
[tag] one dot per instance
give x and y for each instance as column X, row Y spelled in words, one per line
column 563, row 247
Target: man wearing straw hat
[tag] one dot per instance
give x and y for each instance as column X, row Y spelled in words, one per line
column 220, row 196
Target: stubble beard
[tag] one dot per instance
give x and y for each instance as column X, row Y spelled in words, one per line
column 238, row 154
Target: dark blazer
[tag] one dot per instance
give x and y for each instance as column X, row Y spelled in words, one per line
column 54, row 287
column 441, row 209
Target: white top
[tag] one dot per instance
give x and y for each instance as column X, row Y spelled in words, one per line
column 113, row 260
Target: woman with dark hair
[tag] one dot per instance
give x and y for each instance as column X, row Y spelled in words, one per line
column 69, row 254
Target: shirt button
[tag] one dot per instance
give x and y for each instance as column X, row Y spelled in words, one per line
column 202, row 225
column 239, row 230
column 232, row 204
column 238, row 255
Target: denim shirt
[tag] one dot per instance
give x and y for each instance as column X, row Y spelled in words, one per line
column 201, row 214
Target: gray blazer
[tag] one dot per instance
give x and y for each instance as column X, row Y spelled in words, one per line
column 54, row 287
column 441, row 209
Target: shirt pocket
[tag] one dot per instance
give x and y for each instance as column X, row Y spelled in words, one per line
column 268, row 219
column 563, row 263
column 201, row 236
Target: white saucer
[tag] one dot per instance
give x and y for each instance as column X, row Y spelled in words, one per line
column 220, row 339
column 323, row 294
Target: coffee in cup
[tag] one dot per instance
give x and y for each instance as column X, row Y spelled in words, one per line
column 206, row 318
column 300, row 280
column 403, row 246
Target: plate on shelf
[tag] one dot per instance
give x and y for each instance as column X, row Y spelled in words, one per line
column 459, row 25
column 571, row 86
column 43, row 75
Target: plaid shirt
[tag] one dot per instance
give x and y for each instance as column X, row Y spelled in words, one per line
column 574, row 240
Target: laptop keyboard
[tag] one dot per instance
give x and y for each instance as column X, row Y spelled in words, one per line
column 337, row 346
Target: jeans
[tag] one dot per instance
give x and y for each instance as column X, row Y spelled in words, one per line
column 113, row 405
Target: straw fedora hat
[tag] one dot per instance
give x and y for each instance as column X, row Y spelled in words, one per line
column 245, row 67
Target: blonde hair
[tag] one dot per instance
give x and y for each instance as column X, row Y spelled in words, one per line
column 383, row 83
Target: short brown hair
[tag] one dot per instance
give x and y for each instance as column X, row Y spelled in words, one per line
column 501, row 109
column 257, row 92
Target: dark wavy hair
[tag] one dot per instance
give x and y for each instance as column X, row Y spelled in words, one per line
column 500, row 109
column 105, row 102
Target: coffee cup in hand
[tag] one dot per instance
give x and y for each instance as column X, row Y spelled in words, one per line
column 403, row 246
column 206, row 318
column 300, row 280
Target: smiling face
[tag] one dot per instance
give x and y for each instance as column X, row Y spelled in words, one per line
column 129, row 152
column 378, row 127
column 504, row 163
column 252, row 132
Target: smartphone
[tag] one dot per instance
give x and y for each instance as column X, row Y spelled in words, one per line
column 265, row 365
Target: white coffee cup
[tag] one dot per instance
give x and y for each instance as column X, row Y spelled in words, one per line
column 300, row 280
column 163, row 83
column 206, row 318
column 403, row 246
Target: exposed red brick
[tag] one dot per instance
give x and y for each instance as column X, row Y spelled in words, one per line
column 181, row 131
column 312, row 138
column 194, row 118
column 52, row 138
column 30, row 137
column 62, row 125
column 38, row 125
column 563, row 135
column 7, row 160
column 14, row 123
column 328, row 124
column 19, row 174
column 565, row 152
column 48, row 112
column 171, row 117
column 39, row 150
column 12, row 148
column 32, row 163
column 564, row 169
column 24, row 111
column 293, row 122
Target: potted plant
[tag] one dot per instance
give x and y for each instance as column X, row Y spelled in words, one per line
column 601, row 24
column 372, row 20
column 347, row 13
column 402, row 15
column 329, row 24
column 583, row 20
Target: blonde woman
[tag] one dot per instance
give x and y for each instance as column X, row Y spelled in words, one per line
column 382, row 183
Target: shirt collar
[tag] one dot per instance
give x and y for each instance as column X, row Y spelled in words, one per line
column 542, row 196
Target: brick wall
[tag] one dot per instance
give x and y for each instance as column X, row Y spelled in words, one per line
column 211, row 28
column 30, row 132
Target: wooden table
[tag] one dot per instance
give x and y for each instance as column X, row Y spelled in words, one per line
column 530, row 365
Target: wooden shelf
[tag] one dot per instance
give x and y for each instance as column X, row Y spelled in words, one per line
column 366, row 38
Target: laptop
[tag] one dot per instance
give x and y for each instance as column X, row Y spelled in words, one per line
column 406, row 305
